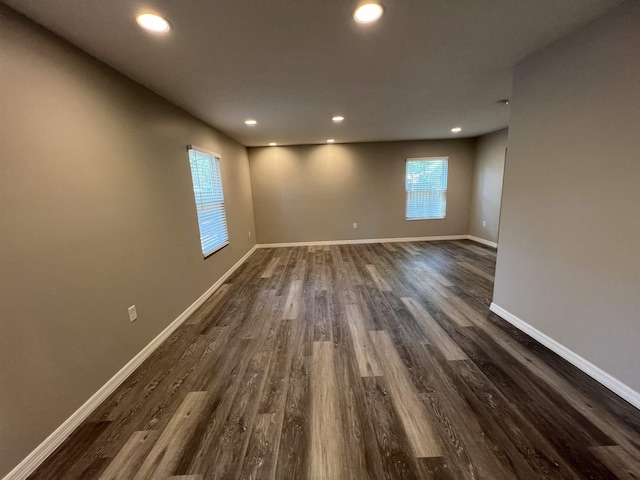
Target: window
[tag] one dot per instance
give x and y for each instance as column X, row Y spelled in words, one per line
column 207, row 189
column 426, row 185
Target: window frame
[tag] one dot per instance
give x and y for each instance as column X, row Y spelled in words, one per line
column 406, row 197
column 217, row 159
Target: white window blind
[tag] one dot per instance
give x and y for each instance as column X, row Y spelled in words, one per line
column 426, row 186
column 207, row 188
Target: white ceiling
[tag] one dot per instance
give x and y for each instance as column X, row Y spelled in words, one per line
column 425, row 67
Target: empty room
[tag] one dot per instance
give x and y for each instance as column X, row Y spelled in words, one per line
column 380, row 239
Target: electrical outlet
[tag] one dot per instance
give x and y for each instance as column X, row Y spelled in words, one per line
column 355, row 225
column 484, row 223
column 133, row 314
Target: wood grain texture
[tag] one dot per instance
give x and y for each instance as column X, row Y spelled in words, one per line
column 327, row 437
column 364, row 353
column 294, row 301
column 438, row 336
column 166, row 452
column 417, row 426
column 377, row 361
column 130, row 458
column 209, row 305
column 271, row 267
column 397, row 457
column 625, row 465
column 262, row 451
column 380, row 282
column 476, row 271
column 437, row 276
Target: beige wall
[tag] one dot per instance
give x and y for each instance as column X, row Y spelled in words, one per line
column 97, row 214
column 486, row 193
column 569, row 256
column 308, row 193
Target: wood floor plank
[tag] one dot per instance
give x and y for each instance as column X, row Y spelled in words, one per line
column 282, row 273
column 473, row 248
column 63, row 462
column 130, row 458
column 395, row 451
column 224, row 388
column 435, row 468
column 625, row 465
column 342, row 285
column 327, row 459
column 495, row 415
column 365, row 355
column 209, row 305
column 440, row 289
column 441, row 340
column 377, row 278
column 264, row 310
column 437, row 276
column 320, row 280
column 472, row 451
column 274, row 392
column 189, row 374
column 293, row 452
column 415, row 421
column 262, row 451
column 294, row 300
column 95, row 469
column 168, row 449
column 321, row 320
column 271, row 267
column 476, row 271
column 361, row 449
column 226, row 454
column 457, row 311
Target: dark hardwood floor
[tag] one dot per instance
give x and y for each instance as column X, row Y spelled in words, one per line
column 354, row 362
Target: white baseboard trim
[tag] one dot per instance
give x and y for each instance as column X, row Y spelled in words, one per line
column 363, row 240
column 53, row 441
column 483, row 241
column 612, row 383
column 379, row 240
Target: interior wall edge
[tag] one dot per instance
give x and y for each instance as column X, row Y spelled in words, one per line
column 486, row 191
column 55, row 439
column 612, row 383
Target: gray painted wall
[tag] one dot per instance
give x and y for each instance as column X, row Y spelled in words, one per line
column 569, row 258
column 308, row 193
column 97, row 213
column 486, row 193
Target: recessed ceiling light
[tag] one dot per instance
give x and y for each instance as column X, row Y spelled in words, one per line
column 338, row 118
column 368, row 12
column 331, row 140
column 153, row 23
column 273, row 144
column 456, row 129
column 250, row 122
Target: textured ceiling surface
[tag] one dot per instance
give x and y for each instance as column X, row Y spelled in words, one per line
column 425, row 67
